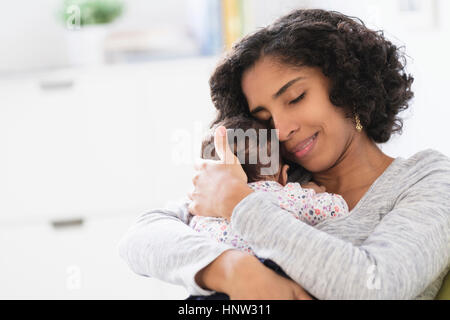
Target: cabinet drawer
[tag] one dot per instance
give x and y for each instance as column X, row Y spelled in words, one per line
column 78, row 260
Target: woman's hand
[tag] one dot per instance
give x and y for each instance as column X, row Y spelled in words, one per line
column 254, row 281
column 218, row 185
column 243, row 277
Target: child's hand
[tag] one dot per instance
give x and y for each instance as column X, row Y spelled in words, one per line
column 314, row 186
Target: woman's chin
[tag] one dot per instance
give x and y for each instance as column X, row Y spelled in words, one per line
column 312, row 165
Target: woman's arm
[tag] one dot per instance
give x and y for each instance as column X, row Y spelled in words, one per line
column 406, row 252
column 243, row 276
column 160, row 244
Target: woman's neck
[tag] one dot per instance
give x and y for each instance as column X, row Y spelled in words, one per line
column 355, row 171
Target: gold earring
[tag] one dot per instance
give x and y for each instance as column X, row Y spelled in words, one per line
column 358, row 123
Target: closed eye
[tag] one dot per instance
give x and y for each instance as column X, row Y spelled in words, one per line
column 269, row 120
column 300, row 97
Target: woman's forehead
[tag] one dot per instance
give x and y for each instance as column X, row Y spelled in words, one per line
column 270, row 71
column 267, row 77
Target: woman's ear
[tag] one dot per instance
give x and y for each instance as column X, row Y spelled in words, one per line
column 283, row 177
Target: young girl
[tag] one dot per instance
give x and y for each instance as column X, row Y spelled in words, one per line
column 310, row 203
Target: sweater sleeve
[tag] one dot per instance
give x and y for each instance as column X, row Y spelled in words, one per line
column 160, row 244
column 405, row 252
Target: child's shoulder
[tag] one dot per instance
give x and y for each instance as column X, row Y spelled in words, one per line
column 293, row 188
column 265, row 185
column 293, row 185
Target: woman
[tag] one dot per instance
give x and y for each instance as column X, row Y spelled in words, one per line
column 333, row 89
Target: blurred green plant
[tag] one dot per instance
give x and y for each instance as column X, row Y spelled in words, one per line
column 90, row 12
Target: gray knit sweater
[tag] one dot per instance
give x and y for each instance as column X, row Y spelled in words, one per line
column 394, row 244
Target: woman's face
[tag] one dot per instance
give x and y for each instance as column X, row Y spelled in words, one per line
column 296, row 100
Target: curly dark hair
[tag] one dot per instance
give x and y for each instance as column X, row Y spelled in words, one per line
column 366, row 71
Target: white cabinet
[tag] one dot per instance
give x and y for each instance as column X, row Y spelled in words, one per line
column 70, row 150
column 102, row 145
column 103, row 142
column 80, row 262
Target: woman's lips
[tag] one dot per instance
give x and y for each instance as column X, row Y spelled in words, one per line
column 305, row 147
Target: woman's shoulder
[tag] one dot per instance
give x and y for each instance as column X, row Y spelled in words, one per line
column 427, row 161
column 430, row 155
column 419, row 182
column 424, row 173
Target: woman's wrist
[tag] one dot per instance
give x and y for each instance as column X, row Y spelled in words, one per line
column 219, row 274
column 235, row 193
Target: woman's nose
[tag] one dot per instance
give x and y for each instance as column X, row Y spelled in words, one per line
column 285, row 125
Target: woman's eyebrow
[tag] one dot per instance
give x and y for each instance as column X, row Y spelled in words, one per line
column 285, row 87
column 278, row 93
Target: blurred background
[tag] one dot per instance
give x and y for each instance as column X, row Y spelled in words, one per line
column 102, row 107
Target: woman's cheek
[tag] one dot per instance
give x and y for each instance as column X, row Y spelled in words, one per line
column 320, row 155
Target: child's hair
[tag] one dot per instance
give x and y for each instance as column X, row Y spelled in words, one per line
column 250, row 147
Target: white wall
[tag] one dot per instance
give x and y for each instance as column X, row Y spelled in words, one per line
column 33, row 35
column 30, row 36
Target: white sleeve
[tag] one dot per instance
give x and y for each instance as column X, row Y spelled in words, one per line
column 160, row 244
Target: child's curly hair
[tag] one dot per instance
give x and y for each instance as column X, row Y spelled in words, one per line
column 366, row 71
